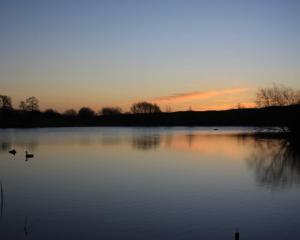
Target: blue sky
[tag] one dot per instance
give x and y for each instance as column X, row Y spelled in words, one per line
column 100, row 53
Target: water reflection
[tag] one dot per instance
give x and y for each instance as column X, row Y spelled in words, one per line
column 7, row 143
column 276, row 162
column 1, row 200
column 190, row 138
column 202, row 141
column 5, row 146
column 146, row 142
column 26, row 230
column 198, row 187
column 110, row 141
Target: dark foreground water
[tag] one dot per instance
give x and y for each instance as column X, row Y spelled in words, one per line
column 148, row 183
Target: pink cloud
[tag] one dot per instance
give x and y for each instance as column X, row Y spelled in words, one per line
column 198, row 95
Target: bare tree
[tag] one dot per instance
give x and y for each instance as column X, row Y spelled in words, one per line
column 22, row 106
column 5, row 102
column 110, row 111
column 32, row 104
column 277, row 96
column 145, row 107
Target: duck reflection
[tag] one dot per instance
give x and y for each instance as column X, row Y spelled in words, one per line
column 276, row 161
column 146, row 142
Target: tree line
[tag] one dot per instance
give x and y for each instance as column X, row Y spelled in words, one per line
column 31, row 104
column 277, row 95
column 276, row 106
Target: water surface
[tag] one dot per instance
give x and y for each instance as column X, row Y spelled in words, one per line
column 148, row 183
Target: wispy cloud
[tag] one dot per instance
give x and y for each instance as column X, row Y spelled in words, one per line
column 198, row 95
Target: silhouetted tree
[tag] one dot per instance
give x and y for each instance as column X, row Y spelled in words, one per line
column 31, row 104
column 86, row 113
column 22, row 106
column 145, row 107
column 110, row 111
column 277, row 96
column 70, row 113
column 5, row 102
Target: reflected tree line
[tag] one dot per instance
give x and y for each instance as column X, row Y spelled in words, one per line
column 274, row 158
column 146, row 142
column 276, row 161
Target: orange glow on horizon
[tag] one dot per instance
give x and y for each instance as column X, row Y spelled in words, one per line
column 224, row 144
column 198, row 101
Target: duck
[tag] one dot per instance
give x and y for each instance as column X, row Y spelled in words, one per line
column 13, row 151
column 28, row 155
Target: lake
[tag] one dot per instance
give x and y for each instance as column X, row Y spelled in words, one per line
column 148, row 183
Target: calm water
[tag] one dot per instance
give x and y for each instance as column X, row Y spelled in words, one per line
column 148, row 183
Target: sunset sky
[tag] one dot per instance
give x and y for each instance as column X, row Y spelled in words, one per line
column 204, row 54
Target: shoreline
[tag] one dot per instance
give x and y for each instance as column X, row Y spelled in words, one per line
column 281, row 117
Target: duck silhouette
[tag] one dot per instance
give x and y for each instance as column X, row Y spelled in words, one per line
column 13, row 152
column 28, row 155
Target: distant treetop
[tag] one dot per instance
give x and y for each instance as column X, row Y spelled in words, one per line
column 110, row 111
column 70, row 113
column 31, row 104
column 5, row 102
column 86, row 112
column 145, row 107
